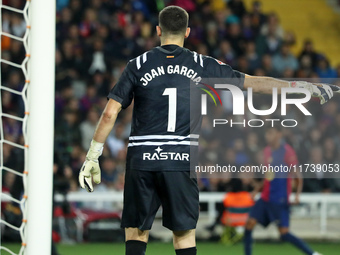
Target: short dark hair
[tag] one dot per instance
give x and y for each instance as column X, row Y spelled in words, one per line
column 173, row 20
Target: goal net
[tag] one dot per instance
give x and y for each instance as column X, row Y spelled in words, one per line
column 15, row 28
column 26, row 124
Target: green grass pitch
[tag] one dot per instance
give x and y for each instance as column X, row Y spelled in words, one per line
column 156, row 248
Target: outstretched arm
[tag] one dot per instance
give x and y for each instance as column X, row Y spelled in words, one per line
column 262, row 84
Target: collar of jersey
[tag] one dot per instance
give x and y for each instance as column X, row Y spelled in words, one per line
column 175, row 51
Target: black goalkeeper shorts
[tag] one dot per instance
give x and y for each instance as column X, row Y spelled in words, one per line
column 146, row 191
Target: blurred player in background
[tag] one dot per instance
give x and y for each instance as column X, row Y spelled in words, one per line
column 158, row 165
column 273, row 206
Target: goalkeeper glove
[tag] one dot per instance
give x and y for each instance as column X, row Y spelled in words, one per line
column 320, row 90
column 91, row 167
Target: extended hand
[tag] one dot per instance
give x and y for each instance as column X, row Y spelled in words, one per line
column 323, row 91
column 320, row 90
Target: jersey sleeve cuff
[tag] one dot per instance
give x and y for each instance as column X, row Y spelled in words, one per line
column 116, row 98
column 242, row 77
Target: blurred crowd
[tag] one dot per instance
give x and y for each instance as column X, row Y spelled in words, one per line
column 96, row 38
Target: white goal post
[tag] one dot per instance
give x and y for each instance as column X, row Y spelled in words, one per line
column 41, row 127
column 37, row 125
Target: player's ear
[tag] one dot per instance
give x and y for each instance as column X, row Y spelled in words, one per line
column 159, row 31
column 187, row 32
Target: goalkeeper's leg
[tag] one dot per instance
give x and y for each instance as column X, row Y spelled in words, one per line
column 185, row 242
column 135, row 241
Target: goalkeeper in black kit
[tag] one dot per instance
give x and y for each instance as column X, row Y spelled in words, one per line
column 163, row 130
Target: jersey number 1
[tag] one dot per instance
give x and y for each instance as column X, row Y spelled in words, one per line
column 172, row 93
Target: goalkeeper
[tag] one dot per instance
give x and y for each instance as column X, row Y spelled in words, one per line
column 159, row 83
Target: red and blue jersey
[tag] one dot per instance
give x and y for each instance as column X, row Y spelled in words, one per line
column 277, row 186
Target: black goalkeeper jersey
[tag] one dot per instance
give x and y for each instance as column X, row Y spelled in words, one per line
column 167, row 114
